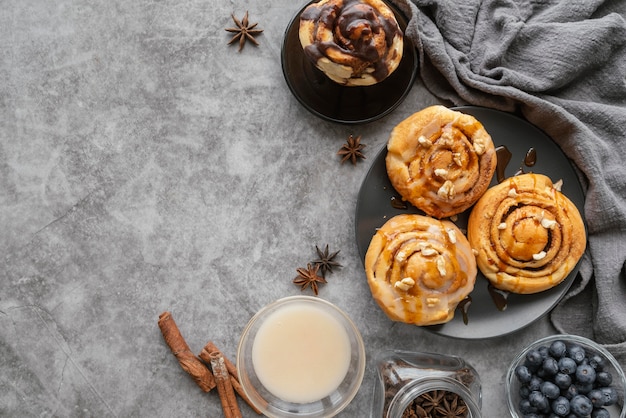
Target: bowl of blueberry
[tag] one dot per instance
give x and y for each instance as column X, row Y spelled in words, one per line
column 565, row 376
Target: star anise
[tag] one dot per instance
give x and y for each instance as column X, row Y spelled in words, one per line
column 352, row 150
column 414, row 410
column 432, row 400
column 308, row 277
column 452, row 407
column 326, row 260
column 244, row 31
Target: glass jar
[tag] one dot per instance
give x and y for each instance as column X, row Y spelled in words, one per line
column 406, row 376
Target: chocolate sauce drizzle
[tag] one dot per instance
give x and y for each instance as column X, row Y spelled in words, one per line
column 531, row 157
column 342, row 21
column 504, row 157
column 397, row 203
column 463, row 306
column 499, row 297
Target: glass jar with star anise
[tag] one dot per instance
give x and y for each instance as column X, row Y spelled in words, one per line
column 420, row 385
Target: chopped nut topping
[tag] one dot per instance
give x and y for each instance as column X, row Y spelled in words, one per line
column 457, row 158
column 404, row 284
column 400, row 256
column 441, row 172
column 441, row 265
column 545, row 222
column 427, row 251
column 452, row 235
column 425, row 142
column 512, row 193
column 558, row 185
column 539, row 256
column 446, row 191
column 502, row 226
column 548, row 223
column 432, row 302
column 447, row 136
column 479, row 146
column 475, row 251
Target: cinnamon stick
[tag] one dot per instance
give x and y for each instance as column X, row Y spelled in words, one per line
column 187, row 360
column 242, row 394
column 205, row 355
column 224, row 386
column 230, row 366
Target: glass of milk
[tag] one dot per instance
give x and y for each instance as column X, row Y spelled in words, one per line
column 301, row 356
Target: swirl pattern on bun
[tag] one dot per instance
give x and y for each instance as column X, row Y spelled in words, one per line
column 419, row 268
column 440, row 160
column 353, row 42
column 528, row 236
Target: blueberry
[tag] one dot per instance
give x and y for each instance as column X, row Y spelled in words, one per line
column 571, row 392
column 597, row 362
column 585, row 374
column 600, row 413
column 604, row 378
column 525, row 407
column 533, row 358
column 557, row 349
column 577, row 353
column 562, row 380
column 560, row 406
column 551, row 390
column 584, row 388
column 523, row 374
column 580, row 405
column 596, row 398
column 535, row 383
column 550, row 366
column 567, row 365
column 610, row 395
column 538, row 400
column 524, row 392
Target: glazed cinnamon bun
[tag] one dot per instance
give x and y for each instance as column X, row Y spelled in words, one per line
column 527, row 235
column 353, row 42
column 419, row 268
column 440, row 160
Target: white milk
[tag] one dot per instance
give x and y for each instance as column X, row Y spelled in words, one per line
column 301, row 353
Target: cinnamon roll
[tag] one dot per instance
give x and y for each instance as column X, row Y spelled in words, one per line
column 440, row 160
column 353, row 42
column 419, row 268
column 527, row 235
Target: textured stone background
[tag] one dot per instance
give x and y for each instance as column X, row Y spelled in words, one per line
column 147, row 166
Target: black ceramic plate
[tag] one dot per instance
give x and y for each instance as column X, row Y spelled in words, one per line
column 334, row 102
column 374, row 207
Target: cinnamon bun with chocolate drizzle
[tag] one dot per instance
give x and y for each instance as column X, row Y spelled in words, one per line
column 353, row 42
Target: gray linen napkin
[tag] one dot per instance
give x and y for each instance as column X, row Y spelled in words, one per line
column 562, row 65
